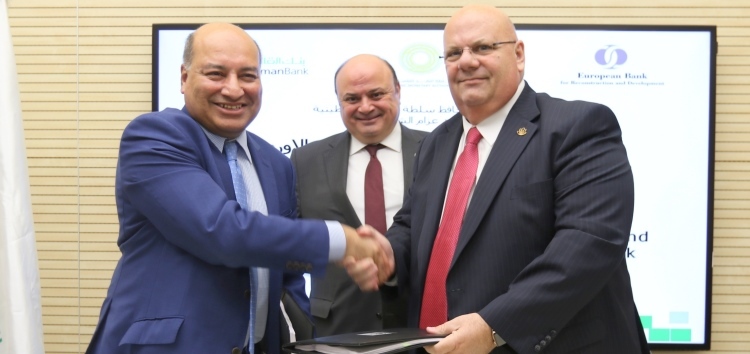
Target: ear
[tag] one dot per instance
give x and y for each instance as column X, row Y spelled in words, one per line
column 520, row 56
column 183, row 77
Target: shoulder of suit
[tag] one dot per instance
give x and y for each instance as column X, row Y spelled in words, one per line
column 166, row 114
column 316, row 146
column 418, row 133
column 169, row 118
column 562, row 107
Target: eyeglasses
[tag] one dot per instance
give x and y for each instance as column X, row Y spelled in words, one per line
column 477, row 50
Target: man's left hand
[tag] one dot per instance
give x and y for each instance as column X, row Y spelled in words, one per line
column 466, row 334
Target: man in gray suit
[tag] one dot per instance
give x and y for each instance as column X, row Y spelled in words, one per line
column 331, row 182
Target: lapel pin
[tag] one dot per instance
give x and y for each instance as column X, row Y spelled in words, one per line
column 521, row 131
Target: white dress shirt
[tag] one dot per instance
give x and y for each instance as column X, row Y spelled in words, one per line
column 392, row 163
column 489, row 128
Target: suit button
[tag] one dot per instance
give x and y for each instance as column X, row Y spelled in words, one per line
column 247, row 294
column 538, row 348
column 548, row 338
column 236, row 350
column 379, row 315
column 543, row 343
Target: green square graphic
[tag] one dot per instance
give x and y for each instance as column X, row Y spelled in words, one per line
column 680, row 335
column 647, row 321
column 658, row 335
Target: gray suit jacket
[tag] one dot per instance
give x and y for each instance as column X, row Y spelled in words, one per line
column 337, row 304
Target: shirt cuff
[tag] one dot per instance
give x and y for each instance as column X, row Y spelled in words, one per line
column 336, row 241
column 499, row 341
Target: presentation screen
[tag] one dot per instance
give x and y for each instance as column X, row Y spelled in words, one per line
column 659, row 81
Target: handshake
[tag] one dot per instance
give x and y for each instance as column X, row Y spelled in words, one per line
column 368, row 258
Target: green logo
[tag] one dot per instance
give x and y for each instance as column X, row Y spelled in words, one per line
column 420, row 58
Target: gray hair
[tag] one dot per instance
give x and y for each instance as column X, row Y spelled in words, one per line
column 187, row 54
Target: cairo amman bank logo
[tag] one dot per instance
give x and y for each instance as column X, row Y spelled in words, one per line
column 420, row 58
column 611, row 57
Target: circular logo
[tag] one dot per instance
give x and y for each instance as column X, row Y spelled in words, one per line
column 611, row 56
column 420, row 58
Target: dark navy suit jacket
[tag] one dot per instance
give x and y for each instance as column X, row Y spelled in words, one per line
column 541, row 252
column 181, row 285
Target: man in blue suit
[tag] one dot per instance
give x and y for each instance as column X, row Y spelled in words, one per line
column 535, row 263
column 183, row 283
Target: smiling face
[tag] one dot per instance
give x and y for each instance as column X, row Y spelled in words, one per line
column 482, row 84
column 221, row 84
column 369, row 98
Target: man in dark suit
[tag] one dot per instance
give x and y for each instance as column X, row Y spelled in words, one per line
column 330, row 185
column 512, row 238
column 207, row 237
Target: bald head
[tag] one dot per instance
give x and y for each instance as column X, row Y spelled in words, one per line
column 367, row 59
column 212, row 30
column 485, row 13
column 482, row 81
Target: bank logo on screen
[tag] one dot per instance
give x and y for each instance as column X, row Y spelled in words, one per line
column 420, row 58
column 611, row 56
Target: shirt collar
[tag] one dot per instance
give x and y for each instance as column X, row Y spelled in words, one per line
column 490, row 127
column 392, row 141
column 220, row 141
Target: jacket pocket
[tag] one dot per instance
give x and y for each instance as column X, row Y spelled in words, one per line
column 319, row 307
column 153, row 331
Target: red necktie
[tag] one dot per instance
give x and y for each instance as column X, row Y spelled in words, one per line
column 374, row 196
column 434, row 300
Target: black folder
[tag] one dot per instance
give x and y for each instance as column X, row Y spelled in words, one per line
column 392, row 340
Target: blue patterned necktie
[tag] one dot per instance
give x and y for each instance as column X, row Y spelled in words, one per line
column 230, row 149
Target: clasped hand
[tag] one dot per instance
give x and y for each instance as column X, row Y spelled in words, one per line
column 369, row 257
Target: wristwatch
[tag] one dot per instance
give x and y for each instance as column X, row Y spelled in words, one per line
column 497, row 339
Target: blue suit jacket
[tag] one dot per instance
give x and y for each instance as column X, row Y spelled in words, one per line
column 541, row 252
column 181, row 285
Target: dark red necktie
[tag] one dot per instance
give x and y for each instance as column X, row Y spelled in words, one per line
column 434, row 300
column 374, row 195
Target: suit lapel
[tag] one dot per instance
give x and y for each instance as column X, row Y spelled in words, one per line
column 507, row 149
column 336, row 160
column 265, row 175
column 409, row 144
column 447, row 137
column 225, row 174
